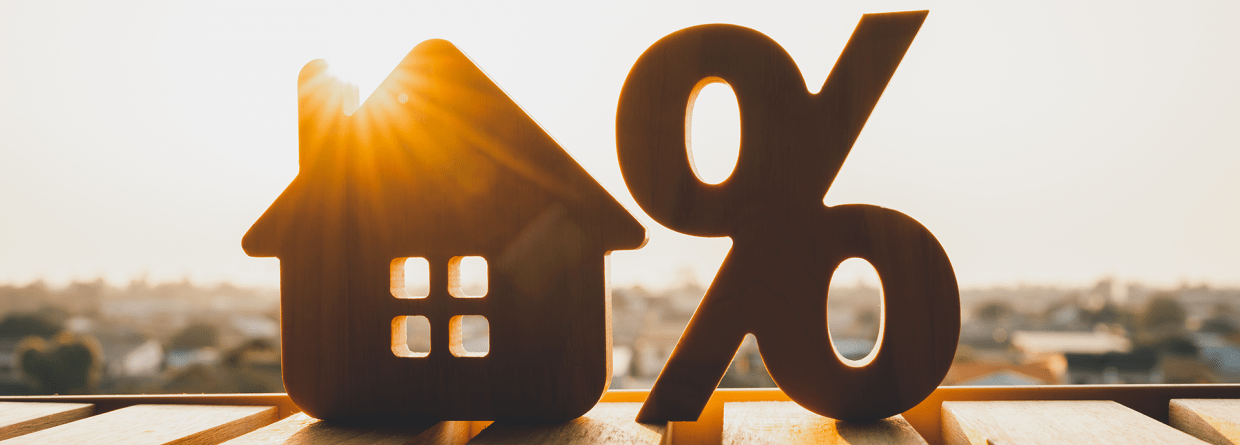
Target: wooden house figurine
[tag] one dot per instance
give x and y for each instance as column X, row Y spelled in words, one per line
column 439, row 164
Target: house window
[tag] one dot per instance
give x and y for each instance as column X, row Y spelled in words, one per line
column 410, row 278
column 469, row 336
column 411, row 336
column 467, row 277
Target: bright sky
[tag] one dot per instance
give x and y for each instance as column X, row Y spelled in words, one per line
column 1041, row 142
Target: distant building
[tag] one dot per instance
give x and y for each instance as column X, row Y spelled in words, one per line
column 653, row 347
column 144, row 360
column 747, row 369
column 1221, row 355
column 183, row 358
column 1003, row 378
column 1005, row 374
column 1036, row 344
column 1139, row 366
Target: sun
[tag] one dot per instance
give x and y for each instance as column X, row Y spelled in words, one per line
column 358, row 71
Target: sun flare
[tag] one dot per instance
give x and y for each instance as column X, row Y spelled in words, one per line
column 360, row 74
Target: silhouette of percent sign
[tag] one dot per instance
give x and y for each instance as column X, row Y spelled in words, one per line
column 786, row 242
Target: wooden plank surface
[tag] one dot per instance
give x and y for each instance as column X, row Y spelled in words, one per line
column 607, row 423
column 17, row 418
column 1053, row 422
column 787, row 422
column 1150, row 400
column 300, row 429
column 106, row 403
column 1213, row 420
column 157, row 424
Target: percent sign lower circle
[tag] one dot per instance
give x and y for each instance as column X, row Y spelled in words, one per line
column 786, row 243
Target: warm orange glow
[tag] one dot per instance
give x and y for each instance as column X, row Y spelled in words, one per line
column 360, row 70
column 409, row 127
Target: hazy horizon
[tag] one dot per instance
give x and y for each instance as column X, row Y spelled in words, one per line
column 860, row 280
column 1053, row 143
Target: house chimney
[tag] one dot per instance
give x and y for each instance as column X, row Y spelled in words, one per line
column 323, row 105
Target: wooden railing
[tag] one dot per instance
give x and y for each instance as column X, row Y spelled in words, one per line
column 981, row 415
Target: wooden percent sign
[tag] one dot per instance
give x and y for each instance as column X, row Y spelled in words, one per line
column 786, row 242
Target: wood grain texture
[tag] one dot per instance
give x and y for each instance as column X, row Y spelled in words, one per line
column 606, row 423
column 301, row 429
column 1152, row 401
column 786, row 422
column 106, row 403
column 17, row 418
column 439, row 163
column 1053, row 422
column 1216, row 421
column 786, row 243
column 157, row 424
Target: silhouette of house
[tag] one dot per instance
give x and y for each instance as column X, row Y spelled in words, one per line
column 439, row 164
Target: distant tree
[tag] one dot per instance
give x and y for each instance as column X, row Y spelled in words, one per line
column 1164, row 313
column 867, row 317
column 993, row 311
column 1223, row 309
column 1178, row 346
column 25, row 325
column 867, row 323
column 67, row 365
column 196, row 335
column 244, row 354
column 1109, row 313
column 53, row 314
column 1219, row 325
column 255, row 366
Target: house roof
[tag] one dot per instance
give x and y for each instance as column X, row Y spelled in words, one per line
column 436, row 140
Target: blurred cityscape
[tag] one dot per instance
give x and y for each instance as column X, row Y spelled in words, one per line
column 93, row 338
column 140, row 339
column 1030, row 335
